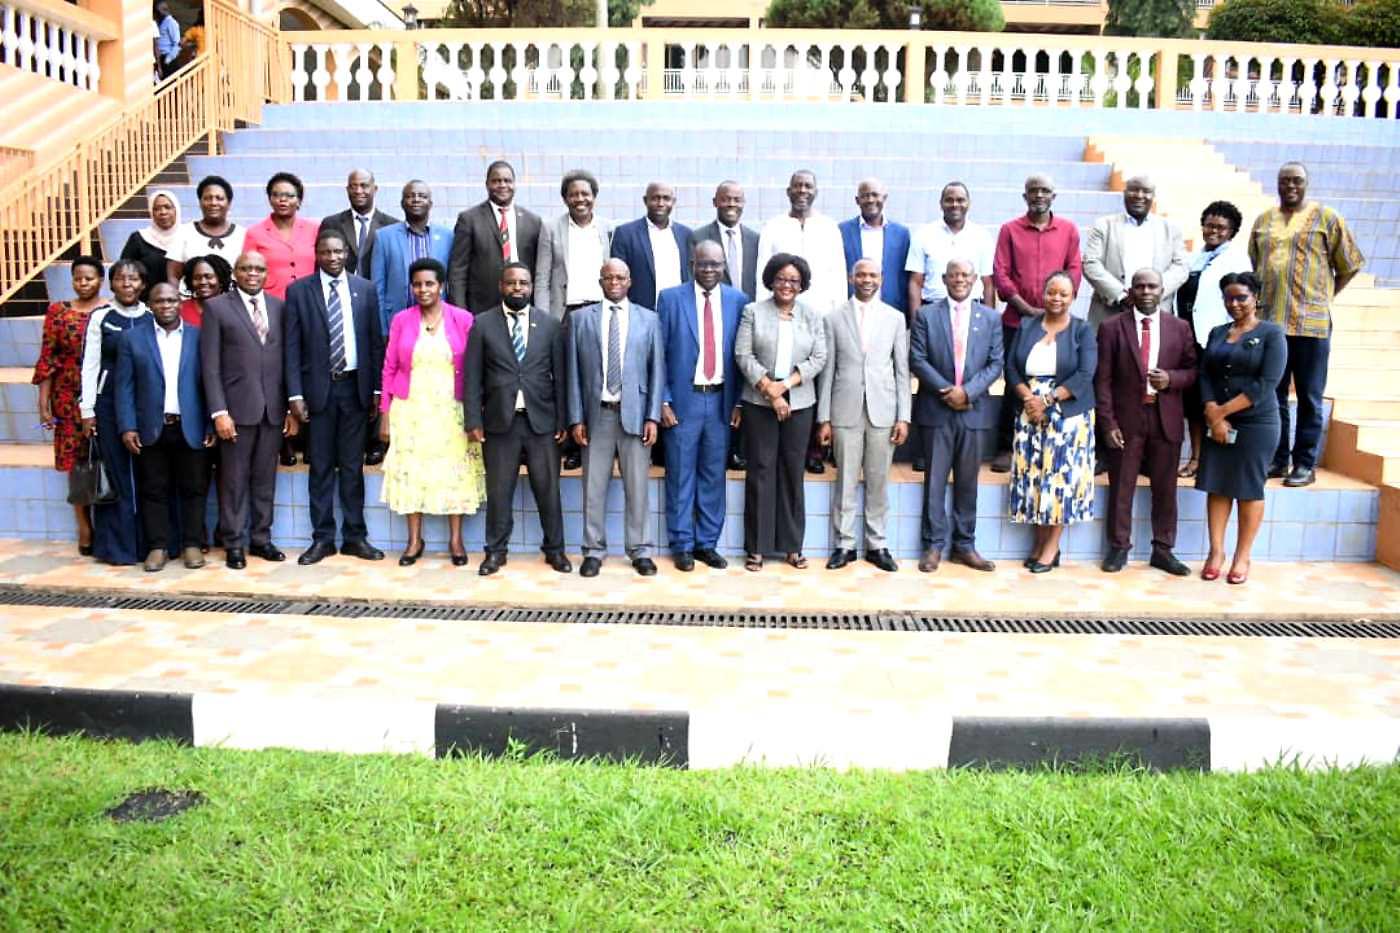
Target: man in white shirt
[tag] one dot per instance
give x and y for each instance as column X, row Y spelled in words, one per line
column 655, row 248
column 572, row 249
column 805, row 232
column 935, row 244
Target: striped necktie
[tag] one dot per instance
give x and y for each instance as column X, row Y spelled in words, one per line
column 517, row 336
column 336, row 321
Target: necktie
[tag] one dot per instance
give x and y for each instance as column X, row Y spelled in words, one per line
column 731, row 258
column 505, row 237
column 259, row 319
column 360, row 240
column 517, row 337
column 709, row 339
column 1146, row 352
column 959, row 349
column 336, row 322
column 614, row 352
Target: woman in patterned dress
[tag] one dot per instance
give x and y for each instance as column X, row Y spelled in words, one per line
column 431, row 467
column 1051, row 370
column 59, row 376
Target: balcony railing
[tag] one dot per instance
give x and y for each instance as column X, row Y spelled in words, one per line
column 52, row 40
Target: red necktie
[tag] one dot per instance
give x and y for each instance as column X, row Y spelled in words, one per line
column 505, row 237
column 1146, row 352
column 709, row 339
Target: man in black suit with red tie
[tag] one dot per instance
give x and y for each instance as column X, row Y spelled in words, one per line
column 1147, row 359
column 487, row 237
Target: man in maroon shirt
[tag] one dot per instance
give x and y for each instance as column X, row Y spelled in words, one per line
column 1029, row 248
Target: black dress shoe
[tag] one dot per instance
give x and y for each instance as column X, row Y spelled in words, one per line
column 1031, row 560
column 494, row 561
column 683, row 561
column 85, row 550
column 737, row 462
column 460, row 560
column 1166, row 560
column 559, row 562
column 318, row 552
column 1116, row 560
column 815, row 465
column 920, row 465
column 644, row 566
column 1001, row 463
column 361, row 549
column 572, row 461
column 267, row 551
column 840, row 558
column 1301, row 476
column 233, row 558
column 374, row 457
column 883, row 559
column 1278, row 470
column 710, row 558
column 409, row 558
column 1036, row 566
column 590, row 567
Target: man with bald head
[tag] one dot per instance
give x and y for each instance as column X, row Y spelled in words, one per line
column 655, row 248
column 870, row 235
column 358, row 225
column 1118, row 245
column 740, row 243
column 403, row 244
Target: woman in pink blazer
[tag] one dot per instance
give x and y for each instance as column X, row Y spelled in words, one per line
column 432, row 467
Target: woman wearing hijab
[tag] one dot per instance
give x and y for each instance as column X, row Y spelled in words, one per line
column 151, row 244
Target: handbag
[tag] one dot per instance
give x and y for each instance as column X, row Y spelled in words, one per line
column 89, row 483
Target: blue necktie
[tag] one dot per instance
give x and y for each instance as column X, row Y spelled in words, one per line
column 337, row 328
column 517, row 337
column 614, row 352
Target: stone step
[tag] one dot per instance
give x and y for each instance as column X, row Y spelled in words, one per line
column 1368, row 450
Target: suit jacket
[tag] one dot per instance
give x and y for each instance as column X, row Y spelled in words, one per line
column 389, row 268
column 643, row 367
column 1076, row 358
column 344, row 224
column 756, row 350
column 858, row 383
column 680, row 332
column 308, row 341
column 139, row 378
column 1104, row 260
column 1251, row 368
column 403, row 336
column 474, row 272
column 492, row 375
column 749, row 245
column 632, row 244
column 241, row 375
column 1120, row 379
column 931, row 360
column 894, row 284
column 551, row 261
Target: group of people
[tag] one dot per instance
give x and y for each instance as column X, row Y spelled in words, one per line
column 455, row 356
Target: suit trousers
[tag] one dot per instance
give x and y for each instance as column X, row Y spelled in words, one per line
column 335, row 449
column 502, row 455
column 951, row 446
column 775, row 507
column 607, row 441
column 172, row 470
column 1010, row 405
column 1159, row 458
column 697, row 449
column 858, row 450
column 1307, row 370
column 247, row 482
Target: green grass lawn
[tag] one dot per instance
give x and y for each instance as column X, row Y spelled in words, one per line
column 294, row 841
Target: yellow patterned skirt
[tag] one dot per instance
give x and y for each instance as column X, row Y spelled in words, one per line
column 1052, row 466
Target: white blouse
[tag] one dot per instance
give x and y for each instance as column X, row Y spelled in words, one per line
column 1041, row 360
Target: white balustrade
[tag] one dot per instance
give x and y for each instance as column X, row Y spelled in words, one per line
column 60, row 46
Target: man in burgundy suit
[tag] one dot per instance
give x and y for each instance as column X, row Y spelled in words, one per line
column 1146, row 361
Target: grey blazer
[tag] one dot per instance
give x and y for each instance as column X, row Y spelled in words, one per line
column 643, row 367
column 858, row 384
column 551, row 266
column 749, row 237
column 1103, row 262
column 756, row 350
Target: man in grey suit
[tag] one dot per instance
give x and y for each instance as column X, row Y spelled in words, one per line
column 572, row 249
column 357, row 225
column 863, row 411
column 486, row 238
column 241, row 360
column 1118, row 245
column 617, row 374
column 740, row 243
column 955, row 353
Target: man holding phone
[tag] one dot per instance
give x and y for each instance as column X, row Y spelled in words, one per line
column 1146, row 361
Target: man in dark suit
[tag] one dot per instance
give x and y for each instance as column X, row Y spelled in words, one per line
column 486, row 238
column 164, row 423
column 656, row 249
column 357, row 225
column 700, row 404
column 240, row 351
column 955, row 353
column 334, row 357
column 740, row 243
column 870, row 235
column 1146, row 361
column 513, row 399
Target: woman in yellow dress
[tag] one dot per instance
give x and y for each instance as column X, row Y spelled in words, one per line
column 431, row 466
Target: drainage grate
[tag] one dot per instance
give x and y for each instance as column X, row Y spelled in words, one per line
column 1261, row 627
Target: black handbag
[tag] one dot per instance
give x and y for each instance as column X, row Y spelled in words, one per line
column 89, row 482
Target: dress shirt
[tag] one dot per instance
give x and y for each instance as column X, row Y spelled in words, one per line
column 168, row 39
column 782, row 357
column 1155, row 328
column 94, row 380
column 419, row 244
column 666, row 257
column 170, row 342
column 934, row 245
column 246, row 300
column 347, row 316
column 1025, row 257
column 872, row 244
column 862, row 315
column 818, row 241
column 1137, row 248
column 960, row 319
column 583, row 257
column 518, row 319
column 717, row 306
column 604, row 323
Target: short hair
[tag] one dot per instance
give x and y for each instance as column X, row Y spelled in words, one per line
column 290, row 179
column 1226, row 210
column 954, row 184
column 1057, row 274
column 782, row 260
column 516, row 264
column 214, row 180
column 1294, row 163
column 1248, row 279
column 574, row 175
column 219, row 264
column 500, row 163
column 121, row 264
column 92, row 262
column 330, row 233
column 428, row 264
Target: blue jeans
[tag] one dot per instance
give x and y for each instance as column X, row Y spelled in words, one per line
column 1307, row 370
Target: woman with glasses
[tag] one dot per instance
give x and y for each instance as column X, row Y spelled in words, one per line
column 286, row 241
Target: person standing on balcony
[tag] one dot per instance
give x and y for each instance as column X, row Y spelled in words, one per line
column 1304, row 254
column 357, row 225
column 804, row 231
column 655, row 248
column 1029, row 248
column 487, row 238
column 870, row 235
column 150, row 245
column 167, row 40
column 212, row 234
column 286, row 242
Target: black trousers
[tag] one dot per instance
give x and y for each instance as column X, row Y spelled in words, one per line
column 775, row 506
column 502, row 455
column 1010, row 405
column 247, row 483
column 954, row 447
column 335, row 449
column 171, row 469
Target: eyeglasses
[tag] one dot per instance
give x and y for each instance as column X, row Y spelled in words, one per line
column 785, row 280
column 708, row 264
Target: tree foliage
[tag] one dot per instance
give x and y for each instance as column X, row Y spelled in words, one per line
column 500, row 14
column 1170, row 19
column 1374, row 23
column 1319, row 22
column 963, row 15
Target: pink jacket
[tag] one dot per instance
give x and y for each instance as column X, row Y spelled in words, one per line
column 403, row 334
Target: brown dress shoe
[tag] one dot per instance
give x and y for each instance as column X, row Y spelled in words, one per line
column 155, row 560
column 193, row 557
column 930, row 561
column 971, row 559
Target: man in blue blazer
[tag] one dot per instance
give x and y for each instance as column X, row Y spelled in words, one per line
column 656, row 250
column 616, row 377
column 870, row 235
column 700, row 403
column 397, row 246
column 955, row 353
column 164, row 422
column 334, row 355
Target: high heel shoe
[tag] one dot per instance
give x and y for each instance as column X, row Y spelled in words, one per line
column 85, row 550
column 408, row 560
column 1031, row 560
column 459, row 560
column 1236, row 577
